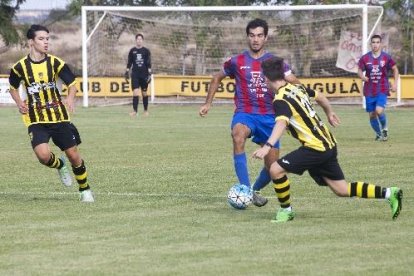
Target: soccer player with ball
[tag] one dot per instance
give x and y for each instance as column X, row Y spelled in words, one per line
column 254, row 114
column 318, row 153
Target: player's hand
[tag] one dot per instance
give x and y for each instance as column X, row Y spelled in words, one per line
column 149, row 78
column 70, row 104
column 261, row 153
column 126, row 75
column 333, row 119
column 23, row 107
column 204, row 110
column 394, row 87
column 365, row 79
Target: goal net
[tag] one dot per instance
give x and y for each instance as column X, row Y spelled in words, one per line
column 317, row 41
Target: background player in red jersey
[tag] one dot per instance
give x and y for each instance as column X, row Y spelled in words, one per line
column 139, row 59
column 254, row 114
column 376, row 65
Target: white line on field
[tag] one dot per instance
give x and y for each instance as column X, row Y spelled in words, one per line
column 128, row 194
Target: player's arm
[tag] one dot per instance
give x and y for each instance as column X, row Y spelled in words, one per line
column 283, row 113
column 14, row 80
column 129, row 64
column 396, row 75
column 292, row 79
column 214, row 84
column 277, row 132
column 148, row 64
column 66, row 75
column 362, row 76
column 323, row 101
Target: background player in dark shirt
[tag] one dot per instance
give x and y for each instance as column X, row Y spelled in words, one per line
column 43, row 111
column 139, row 59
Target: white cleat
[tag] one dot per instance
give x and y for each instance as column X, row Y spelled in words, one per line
column 64, row 173
column 87, row 196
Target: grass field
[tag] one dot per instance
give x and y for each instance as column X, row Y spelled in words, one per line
column 160, row 184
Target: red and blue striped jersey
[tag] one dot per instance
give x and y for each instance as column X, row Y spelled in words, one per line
column 376, row 69
column 251, row 94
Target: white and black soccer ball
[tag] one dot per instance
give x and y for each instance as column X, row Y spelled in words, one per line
column 239, row 196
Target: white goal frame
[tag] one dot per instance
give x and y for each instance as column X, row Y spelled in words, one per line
column 86, row 36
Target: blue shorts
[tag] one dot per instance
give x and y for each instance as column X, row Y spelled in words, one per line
column 372, row 102
column 261, row 126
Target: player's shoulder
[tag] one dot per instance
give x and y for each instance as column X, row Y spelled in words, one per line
column 55, row 58
column 20, row 61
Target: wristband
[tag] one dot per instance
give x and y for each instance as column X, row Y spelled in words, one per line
column 268, row 144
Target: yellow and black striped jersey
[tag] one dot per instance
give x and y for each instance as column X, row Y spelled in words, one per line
column 292, row 104
column 42, row 93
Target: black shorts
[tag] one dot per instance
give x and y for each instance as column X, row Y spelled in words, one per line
column 318, row 164
column 64, row 135
column 138, row 82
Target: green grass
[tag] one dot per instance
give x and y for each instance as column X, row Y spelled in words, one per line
column 160, row 184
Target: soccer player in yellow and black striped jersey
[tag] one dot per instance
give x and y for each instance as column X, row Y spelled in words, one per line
column 43, row 111
column 318, row 153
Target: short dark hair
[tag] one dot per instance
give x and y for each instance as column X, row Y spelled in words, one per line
column 255, row 23
column 31, row 33
column 376, row 36
column 139, row 34
column 273, row 68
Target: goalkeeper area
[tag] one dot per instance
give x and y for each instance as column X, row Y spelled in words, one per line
column 195, row 41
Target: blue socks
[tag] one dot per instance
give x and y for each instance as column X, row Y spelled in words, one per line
column 376, row 126
column 383, row 120
column 262, row 180
column 240, row 165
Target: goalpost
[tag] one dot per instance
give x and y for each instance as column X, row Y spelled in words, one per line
column 196, row 40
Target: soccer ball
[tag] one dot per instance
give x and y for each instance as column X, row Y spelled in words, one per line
column 239, row 196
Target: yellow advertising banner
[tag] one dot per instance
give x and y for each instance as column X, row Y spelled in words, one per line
column 197, row 86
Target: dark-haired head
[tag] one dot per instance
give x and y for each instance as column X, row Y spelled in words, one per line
column 257, row 23
column 139, row 35
column 273, row 68
column 376, row 36
column 31, row 33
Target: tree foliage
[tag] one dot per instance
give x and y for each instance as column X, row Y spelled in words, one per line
column 8, row 31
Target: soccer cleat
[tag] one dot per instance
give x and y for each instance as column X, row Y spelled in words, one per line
column 64, row 173
column 378, row 138
column 258, row 199
column 87, row 196
column 385, row 135
column 395, row 201
column 133, row 114
column 283, row 215
column 146, row 113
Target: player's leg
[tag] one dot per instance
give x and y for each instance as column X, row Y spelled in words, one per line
column 66, row 137
column 40, row 136
column 135, row 95
column 135, row 102
column 370, row 104
column 332, row 175
column 81, row 174
column 261, row 133
column 144, row 88
column 368, row 190
column 380, row 110
column 281, row 185
column 240, row 132
column 264, row 128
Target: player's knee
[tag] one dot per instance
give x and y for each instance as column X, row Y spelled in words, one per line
column 44, row 159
